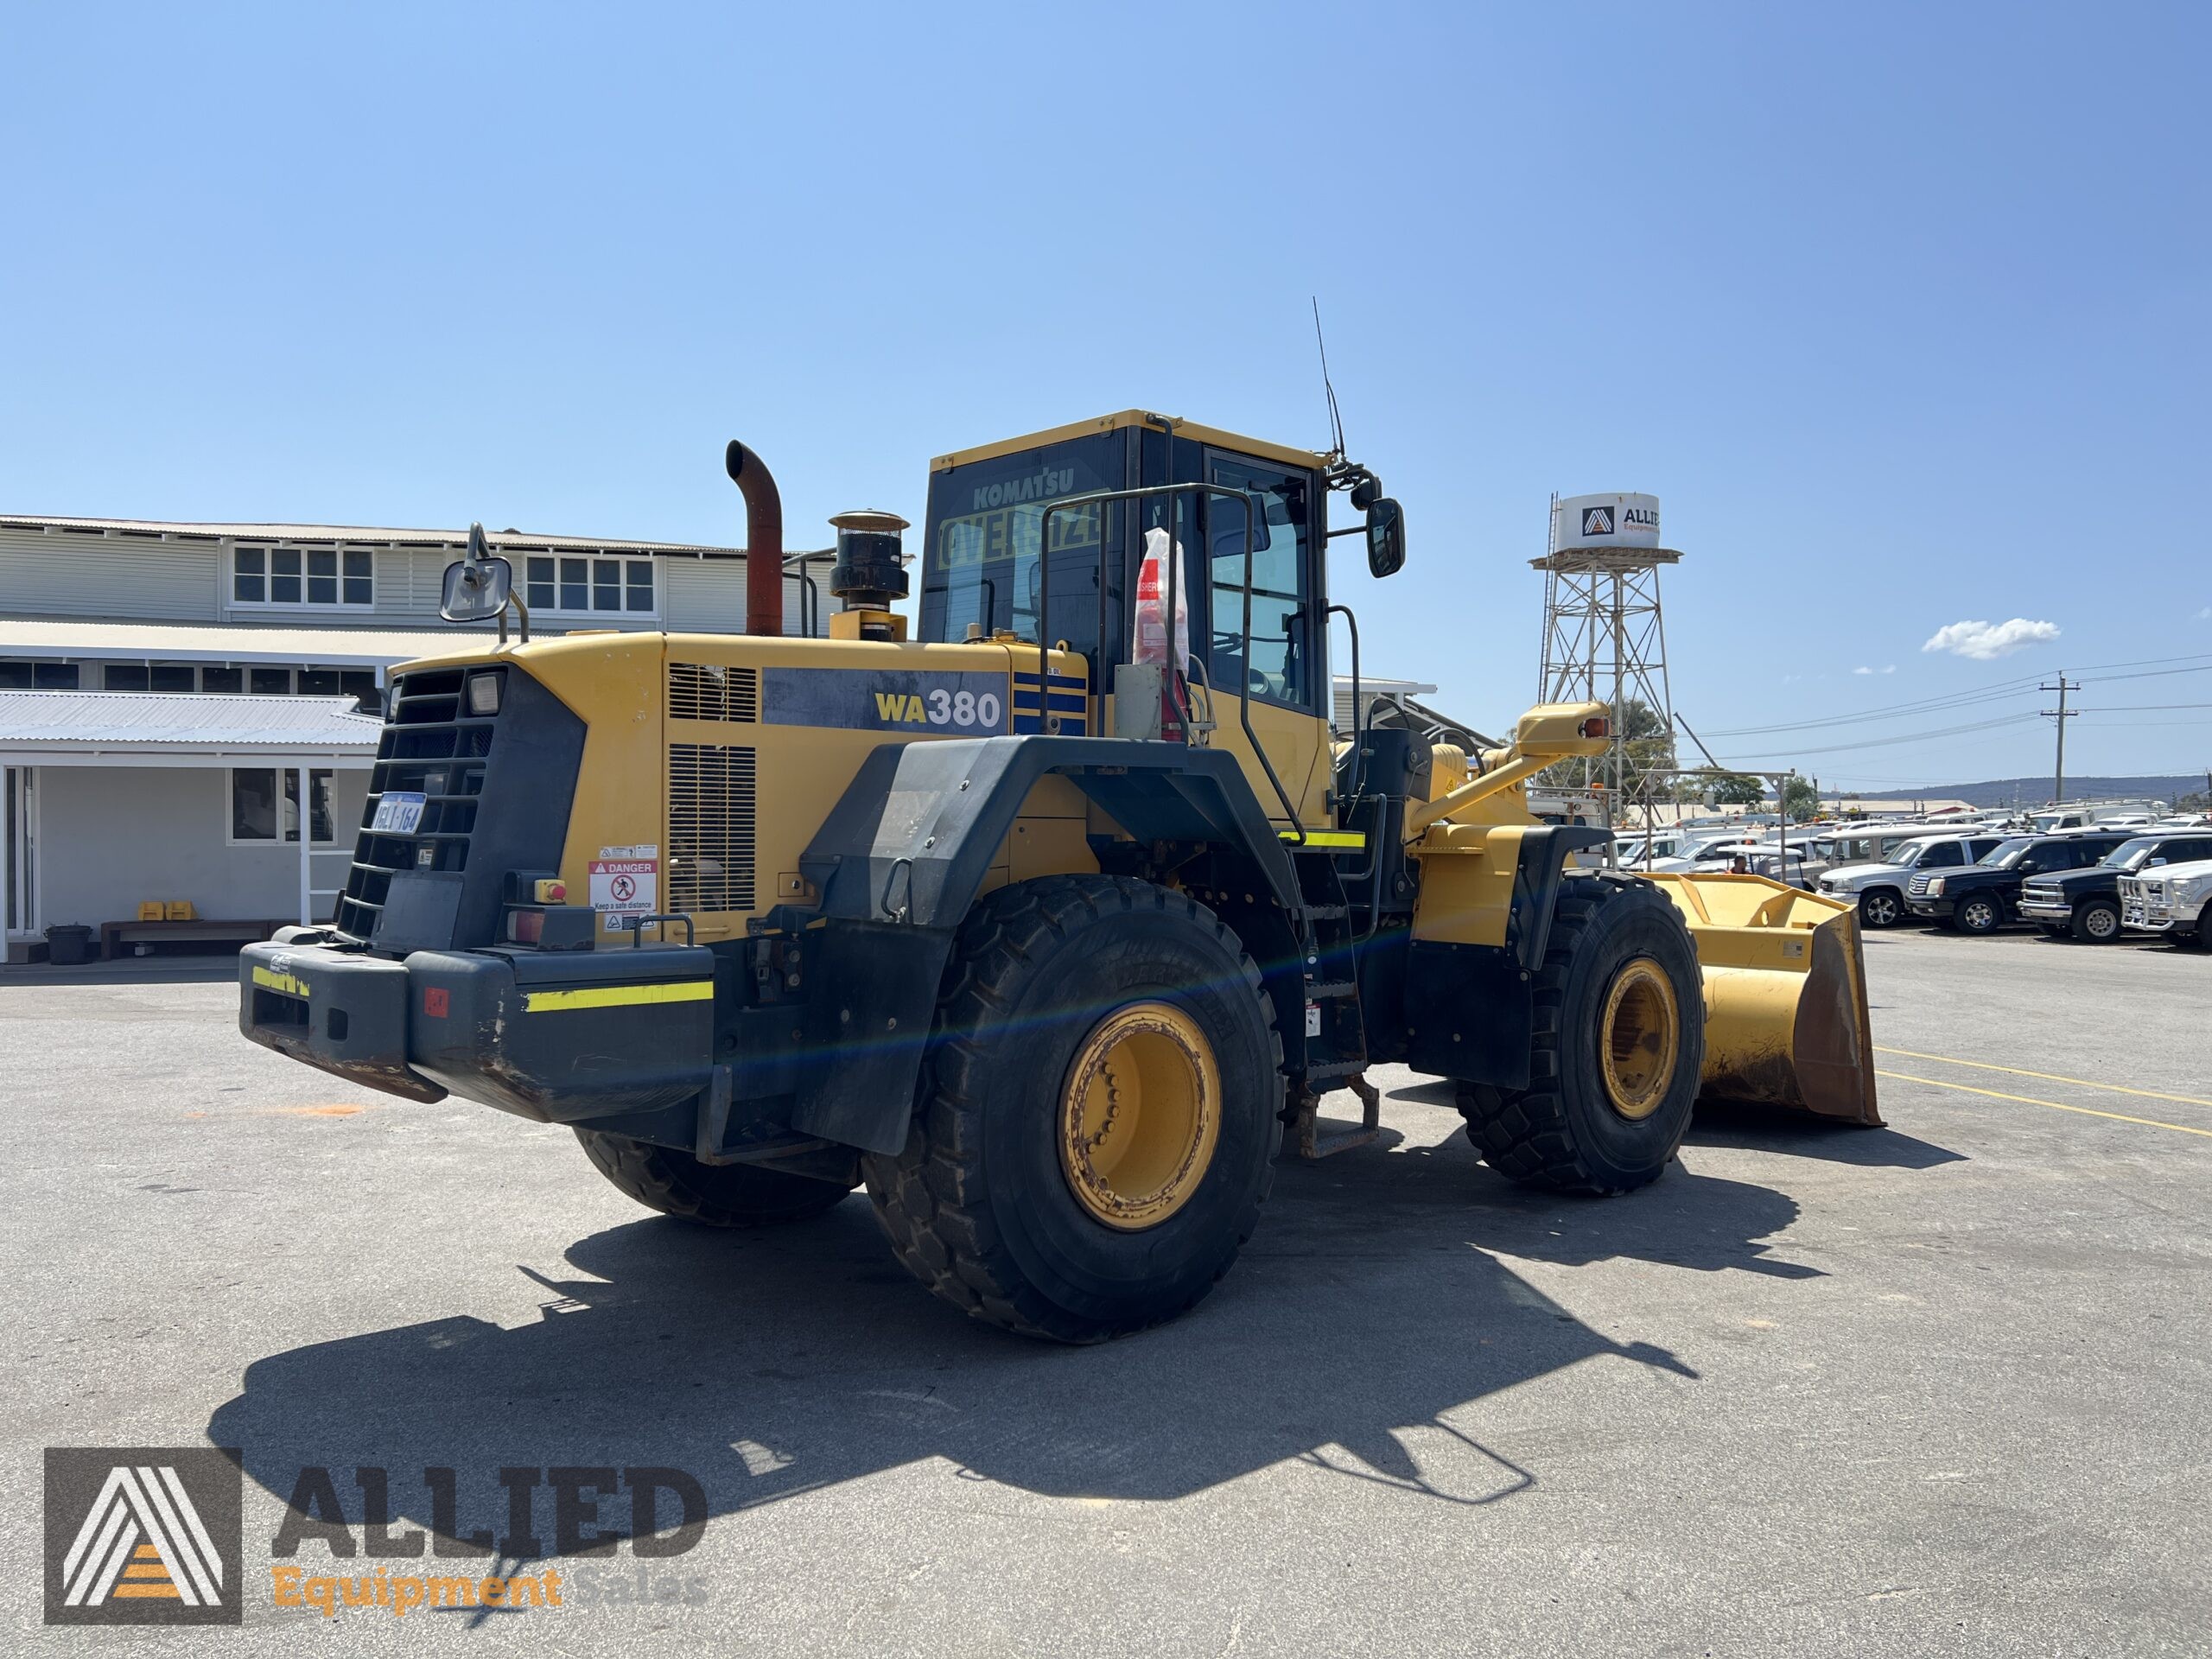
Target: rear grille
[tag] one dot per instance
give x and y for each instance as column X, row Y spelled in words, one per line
column 711, row 806
column 706, row 691
column 432, row 747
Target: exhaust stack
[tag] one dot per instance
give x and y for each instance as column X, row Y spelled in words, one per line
column 763, row 539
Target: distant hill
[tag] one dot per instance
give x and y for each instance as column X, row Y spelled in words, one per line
column 2035, row 791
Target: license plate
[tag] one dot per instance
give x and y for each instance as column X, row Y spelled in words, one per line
column 399, row 813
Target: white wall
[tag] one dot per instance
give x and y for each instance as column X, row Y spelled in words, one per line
column 64, row 574
column 111, row 836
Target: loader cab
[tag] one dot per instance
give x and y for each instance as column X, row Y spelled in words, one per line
column 997, row 562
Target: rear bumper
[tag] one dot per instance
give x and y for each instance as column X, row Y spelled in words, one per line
column 569, row 1037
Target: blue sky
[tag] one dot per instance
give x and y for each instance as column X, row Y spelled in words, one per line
column 1901, row 311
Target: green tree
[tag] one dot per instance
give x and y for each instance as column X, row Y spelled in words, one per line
column 1735, row 789
column 1799, row 802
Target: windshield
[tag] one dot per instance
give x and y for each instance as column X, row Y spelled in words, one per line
column 1909, row 855
column 2130, row 855
column 2005, row 854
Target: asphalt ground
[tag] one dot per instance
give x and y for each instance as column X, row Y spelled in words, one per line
column 1940, row 1388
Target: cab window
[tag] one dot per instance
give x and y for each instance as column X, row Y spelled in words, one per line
column 1942, row 854
column 1280, row 667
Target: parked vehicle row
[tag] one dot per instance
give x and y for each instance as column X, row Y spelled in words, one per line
column 2105, row 872
column 2068, row 884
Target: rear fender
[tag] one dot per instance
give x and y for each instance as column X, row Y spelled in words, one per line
column 899, row 864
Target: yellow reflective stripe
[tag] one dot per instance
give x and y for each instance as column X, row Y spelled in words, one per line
column 617, row 996
column 1327, row 838
column 277, row 982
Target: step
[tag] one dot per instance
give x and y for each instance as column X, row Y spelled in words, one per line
column 1320, row 990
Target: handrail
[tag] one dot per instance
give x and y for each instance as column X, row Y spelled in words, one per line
column 1254, row 514
column 1358, row 750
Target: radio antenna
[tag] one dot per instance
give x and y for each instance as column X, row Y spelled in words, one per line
column 1336, row 416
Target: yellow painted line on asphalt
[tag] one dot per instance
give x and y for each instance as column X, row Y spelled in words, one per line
column 2047, row 1076
column 2056, row 1106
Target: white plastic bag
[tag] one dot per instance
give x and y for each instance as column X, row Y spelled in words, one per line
column 1152, row 631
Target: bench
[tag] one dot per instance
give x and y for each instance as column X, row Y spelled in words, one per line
column 114, row 935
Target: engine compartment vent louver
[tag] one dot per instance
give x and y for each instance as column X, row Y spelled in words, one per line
column 711, row 788
column 708, row 692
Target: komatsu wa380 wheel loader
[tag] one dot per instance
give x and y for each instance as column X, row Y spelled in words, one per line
column 1044, row 926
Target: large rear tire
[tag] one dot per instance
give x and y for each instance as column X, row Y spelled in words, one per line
column 1619, row 1043
column 714, row 1195
column 1097, row 1115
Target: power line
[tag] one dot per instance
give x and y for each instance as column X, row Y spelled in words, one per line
column 1992, row 692
column 1897, row 738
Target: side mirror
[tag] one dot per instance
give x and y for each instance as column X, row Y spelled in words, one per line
column 476, row 589
column 2154, row 863
column 1386, row 539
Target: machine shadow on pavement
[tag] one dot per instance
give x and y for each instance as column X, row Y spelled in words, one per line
column 1719, row 1124
column 1370, row 1307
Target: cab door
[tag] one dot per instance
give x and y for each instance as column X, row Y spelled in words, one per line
column 1282, row 679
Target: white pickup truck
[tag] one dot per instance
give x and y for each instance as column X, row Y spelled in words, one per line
column 2171, row 899
column 1879, row 888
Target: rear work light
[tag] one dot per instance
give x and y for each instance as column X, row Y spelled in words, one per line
column 1597, row 726
column 484, row 694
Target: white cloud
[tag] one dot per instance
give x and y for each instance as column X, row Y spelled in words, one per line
column 1863, row 669
column 2205, row 615
column 1984, row 641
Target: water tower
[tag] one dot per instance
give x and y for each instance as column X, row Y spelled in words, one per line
column 1603, row 639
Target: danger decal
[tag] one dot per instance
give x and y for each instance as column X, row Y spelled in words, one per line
column 625, row 884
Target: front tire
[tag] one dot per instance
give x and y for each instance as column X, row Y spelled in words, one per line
column 1881, row 907
column 1097, row 1115
column 2097, row 922
column 714, row 1195
column 1978, row 915
column 1618, row 1047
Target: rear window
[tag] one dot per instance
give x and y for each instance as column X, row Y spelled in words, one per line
column 984, row 536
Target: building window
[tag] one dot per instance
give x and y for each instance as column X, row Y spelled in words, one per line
column 266, row 799
column 269, row 682
column 572, row 582
column 291, row 576
column 126, row 677
column 224, row 679
column 38, row 677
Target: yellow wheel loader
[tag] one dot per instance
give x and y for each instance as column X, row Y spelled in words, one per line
column 1046, row 925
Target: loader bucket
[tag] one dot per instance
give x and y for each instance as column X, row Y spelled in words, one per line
column 1785, row 995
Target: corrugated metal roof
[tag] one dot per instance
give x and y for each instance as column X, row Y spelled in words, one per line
column 500, row 541
column 198, row 642
column 151, row 720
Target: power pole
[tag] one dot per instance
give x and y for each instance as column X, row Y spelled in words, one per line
column 2061, row 715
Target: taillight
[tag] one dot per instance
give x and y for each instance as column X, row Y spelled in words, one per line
column 1597, row 726
column 525, row 926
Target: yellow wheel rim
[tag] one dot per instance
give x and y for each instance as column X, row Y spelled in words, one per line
column 1639, row 1039
column 1140, row 1116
